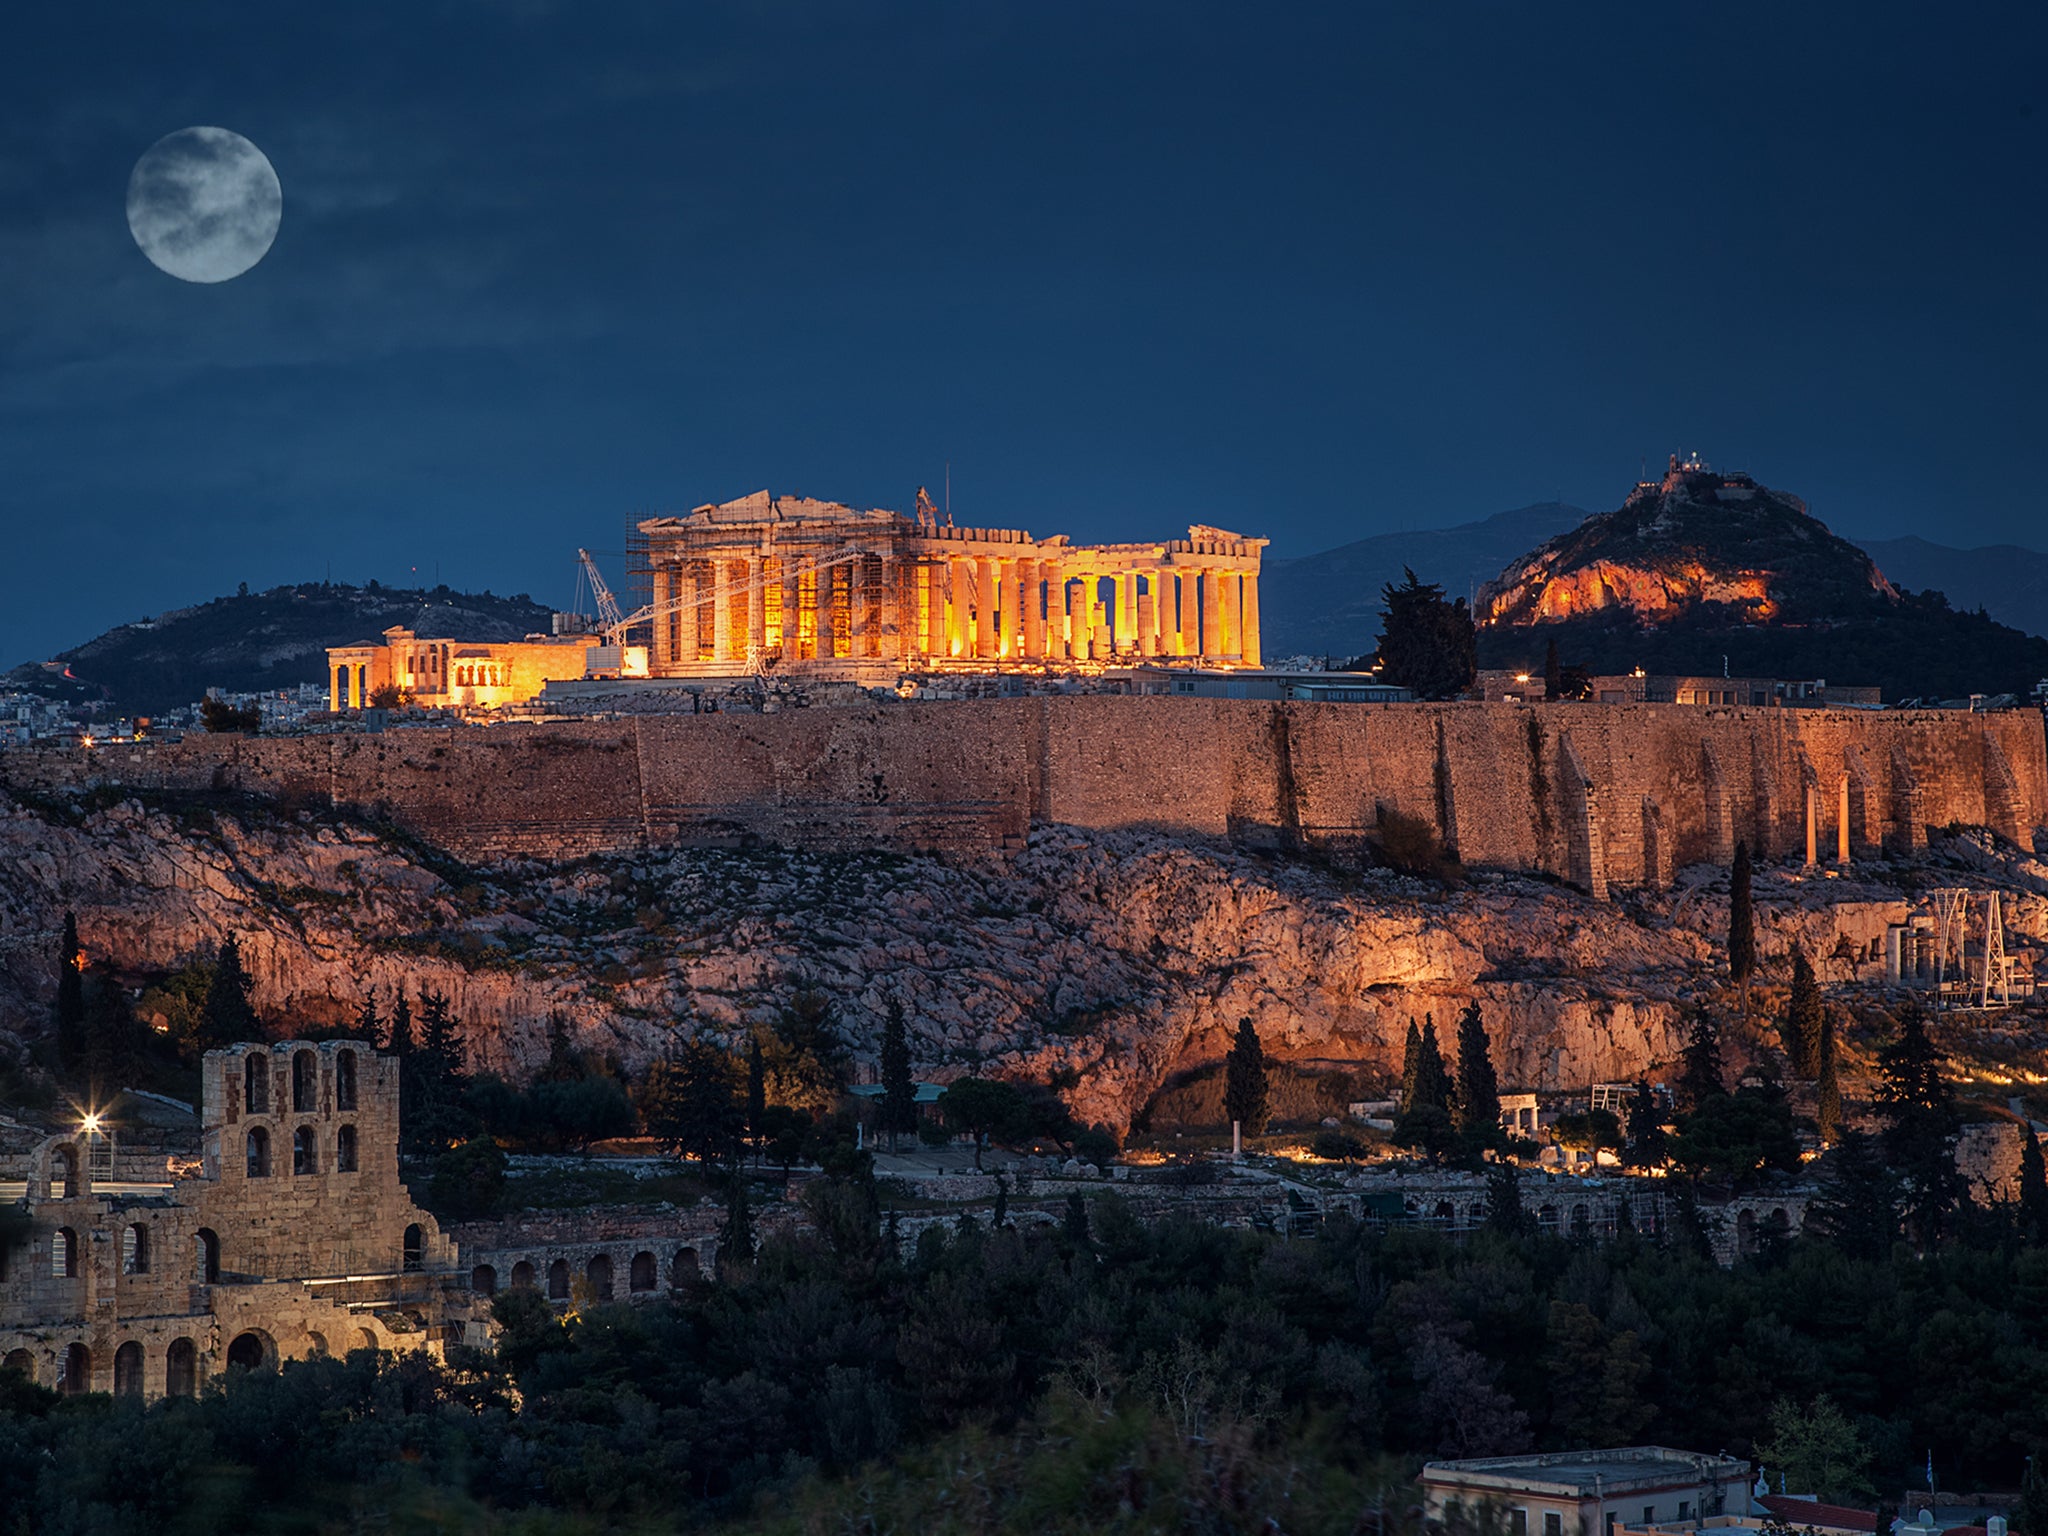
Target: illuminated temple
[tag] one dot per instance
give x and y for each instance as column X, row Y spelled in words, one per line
column 786, row 582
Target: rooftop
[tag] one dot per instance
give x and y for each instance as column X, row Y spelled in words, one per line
column 1579, row 1473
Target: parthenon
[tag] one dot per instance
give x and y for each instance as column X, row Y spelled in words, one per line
column 791, row 582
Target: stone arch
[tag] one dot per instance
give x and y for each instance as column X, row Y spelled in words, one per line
column 484, row 1280
column 252, row 1350
column 316, row 1344
column 684, row 1268
column 305, row 1082
column 135, row 1249
column 128, row 1370
column 345, row 1081
column 206, row 1247
column 640, row 1275
column 259, row 1153
column 256, row 1083
column 22, row 1361
column 413, row 1252
column 599, row 1273
column 558, row 1280
column 181, row 1369
column 522, row 1276
column 305, row 1153
column 1546, row 1218
column 1444, row 1212
column 74, row 1371
column 1745, row 1232
column 365, row 1339
column 345, row 1150
column 1582, row 1220
column 63, row 1172
column 64, row 1254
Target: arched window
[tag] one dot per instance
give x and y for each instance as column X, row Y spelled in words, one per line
column 22, row 1361
column 558, row 1280
column 1745, row 1232
column 522, row 1276
column 250, row 1351
column 345, row 1150
column 641, row 1276
column 365, row 1339
column 316, row 1344
column 345, row 1081
column 128, row 1370
column 305, row 1081
column 259, row 1153
column 256, row 1083
column 135, row 1249
column 181, row 1369
column 684, row 1268
column 414, row 1255
column 1582, row 1220
column 64, row 1172
column 74, row 1371
column 1445, row 1212
column 206, row 1251
column 304, row 1157
column 484, row 1280
column 64, row 1254
column 599, row 1273
column 1546, row 1218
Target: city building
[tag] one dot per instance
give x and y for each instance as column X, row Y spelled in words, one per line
column 1588, row 1493
column 793, row 583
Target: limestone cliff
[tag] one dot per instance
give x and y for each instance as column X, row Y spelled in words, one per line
column 1115, row 957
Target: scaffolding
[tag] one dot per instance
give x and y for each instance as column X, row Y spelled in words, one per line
column 1956, row 949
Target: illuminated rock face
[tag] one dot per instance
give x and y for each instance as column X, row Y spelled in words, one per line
column 1693, row 539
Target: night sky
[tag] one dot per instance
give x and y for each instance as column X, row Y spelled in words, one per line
column 1313, row 272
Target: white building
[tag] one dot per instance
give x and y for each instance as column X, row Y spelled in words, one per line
column 1588, row 1493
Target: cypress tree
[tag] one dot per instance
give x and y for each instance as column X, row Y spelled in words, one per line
column 899, row 1090
column 736, row 1233
column 1478, row 1109
column 367, row 1025
column 226, row 1018
column 1553, row 672
column 1425, row 1119
column 1434, row 1085
column 1800, row 1029
column 1700, row 1075
column 757, row 1091
column 401, row 1041
column 2033, row 1210
column 1245, row 1100
column 1741, row 919
column 1411, row 1067
column 70, row 996
column 2030, row 1515
column 1827, row 1086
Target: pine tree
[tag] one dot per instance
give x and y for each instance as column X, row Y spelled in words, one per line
column 1741, row 920
column 2033, row 1203
column 439, row 1039
column 1827, row 1085
column 1478, row 1108
column 899, row 1090
column 1245, row 1100
column 1919, row 1112
column 70, row 997
column 1801, row 1026
column 226, row 1017
column 1858, row 1205
column 689, row 1103
column 1700, row 1076
column 113, row 1038
column 1645, row 1127
column 367, row 1025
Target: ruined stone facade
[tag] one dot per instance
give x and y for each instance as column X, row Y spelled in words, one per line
column 1597, row 795
column 453, row 674
column 797, row 584
column 293, row 1237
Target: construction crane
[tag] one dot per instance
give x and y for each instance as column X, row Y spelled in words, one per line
column 607, row 606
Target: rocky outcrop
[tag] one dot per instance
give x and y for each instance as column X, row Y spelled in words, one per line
column 1110, row 960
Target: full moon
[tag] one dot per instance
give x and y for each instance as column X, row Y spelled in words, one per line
column 204, row 204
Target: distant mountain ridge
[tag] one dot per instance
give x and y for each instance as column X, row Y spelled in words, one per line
column 257, row 641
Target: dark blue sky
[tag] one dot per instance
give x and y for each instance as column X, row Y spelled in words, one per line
column 1308, row 271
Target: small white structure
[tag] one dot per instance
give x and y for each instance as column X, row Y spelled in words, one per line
column 1518, row 1115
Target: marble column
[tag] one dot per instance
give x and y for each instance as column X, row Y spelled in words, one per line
column 721, row 610
column 1031, row 630
column 1250, row 619
column 1127, row 610
column 757, row 606
column 1233, row 630
column 686, row 597
column 1187, row 640
column 1212, row 616
column 1013, row 608
column 857, row 608
column 1148, row 620
column 664, row 618
column 984, row 608
column 1842, row 822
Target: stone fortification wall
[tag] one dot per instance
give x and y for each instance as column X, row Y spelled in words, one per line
column 1596, row 794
